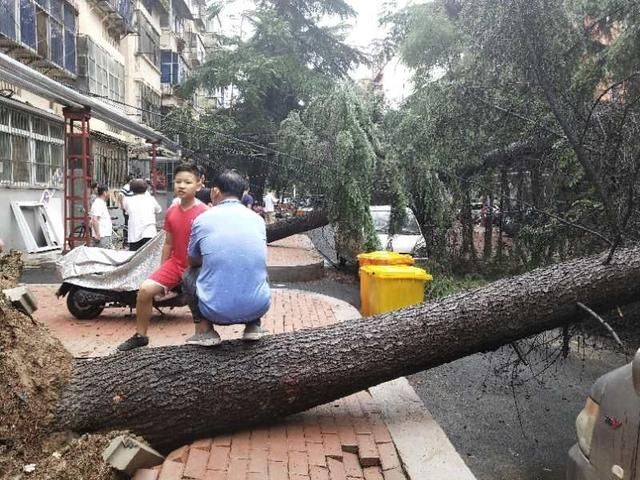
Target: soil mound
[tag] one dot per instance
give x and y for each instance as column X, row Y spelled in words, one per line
column 34, row 367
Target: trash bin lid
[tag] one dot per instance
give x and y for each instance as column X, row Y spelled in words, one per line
column 400, row 272
column 385, row 258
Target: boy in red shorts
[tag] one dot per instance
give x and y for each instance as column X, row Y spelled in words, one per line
column 174, row 262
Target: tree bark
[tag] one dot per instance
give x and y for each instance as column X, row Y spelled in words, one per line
column 291, row 226
column 173, row 395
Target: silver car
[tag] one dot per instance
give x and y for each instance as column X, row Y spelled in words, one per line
column 608, row 428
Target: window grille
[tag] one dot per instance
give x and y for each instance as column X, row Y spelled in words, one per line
column 149, row 101
column 31, row 149
column 148, row 40
column 99, row 73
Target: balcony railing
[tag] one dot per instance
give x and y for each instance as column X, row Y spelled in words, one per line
column 118, row 15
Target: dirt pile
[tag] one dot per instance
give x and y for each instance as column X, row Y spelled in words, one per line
column 34, row 367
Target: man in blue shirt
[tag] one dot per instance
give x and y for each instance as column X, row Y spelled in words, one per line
column 228, row 258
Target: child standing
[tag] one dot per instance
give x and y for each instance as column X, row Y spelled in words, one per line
column 177, row 226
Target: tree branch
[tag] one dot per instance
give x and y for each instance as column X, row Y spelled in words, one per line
column 603, row 322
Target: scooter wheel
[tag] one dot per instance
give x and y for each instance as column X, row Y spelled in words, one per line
column 79, row 309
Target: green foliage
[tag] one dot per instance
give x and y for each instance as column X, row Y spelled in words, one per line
column 445, row 285
column 335, row 142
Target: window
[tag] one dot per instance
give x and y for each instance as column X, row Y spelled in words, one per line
column 148, row 40
column 149, row 101
column 109, row 161
column 173, row 70
column 99, row 72
column 46, row 26
column 31, row 149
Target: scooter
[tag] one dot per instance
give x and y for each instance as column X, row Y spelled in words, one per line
column 96, row 278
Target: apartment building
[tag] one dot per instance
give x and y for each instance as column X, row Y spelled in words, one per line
column 129, row 54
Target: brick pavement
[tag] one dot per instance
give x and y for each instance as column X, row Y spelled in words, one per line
column 344, row 439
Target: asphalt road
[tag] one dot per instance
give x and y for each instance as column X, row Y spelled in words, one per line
column 509, row 421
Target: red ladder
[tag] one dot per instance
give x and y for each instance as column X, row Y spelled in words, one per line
column 77, row 177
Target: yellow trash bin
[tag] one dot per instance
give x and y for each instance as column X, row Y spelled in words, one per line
column 384, row 258
column 377, row 258
column 390, row 287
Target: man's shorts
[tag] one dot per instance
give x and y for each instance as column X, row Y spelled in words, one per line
column 168, row 275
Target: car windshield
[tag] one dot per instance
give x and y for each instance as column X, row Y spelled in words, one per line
column 381, row 223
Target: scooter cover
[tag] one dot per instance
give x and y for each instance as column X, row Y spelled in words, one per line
column 106, row 269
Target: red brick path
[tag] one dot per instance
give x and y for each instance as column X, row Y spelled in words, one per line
column 345, row 439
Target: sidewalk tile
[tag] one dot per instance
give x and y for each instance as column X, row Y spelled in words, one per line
column 379, row 429
column 295, row 476
column 373, row 473
column 312, row 432
column 179, row 455
column 238, row 469
column 295, row 438
column 219, row 458
column 394, row 474
column 196, row 465
column 315, row 454
column 336, row 469
column 145, row 474
column 171, row 471
column 298, row 463
column 203, row 444
column 278, row 471
column 347, row 434
column 367, row 451
column 332, row 447
column 260, row 438
column 388, row 456
column 258, row 461
column 328, row 424
column 278, row 444
column 240, row 443
column 222, row 440
column 318, row 473
column 215, row 475
column 352, row 466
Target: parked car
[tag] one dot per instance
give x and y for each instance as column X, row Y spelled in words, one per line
column 408, row 239
column 608, row 428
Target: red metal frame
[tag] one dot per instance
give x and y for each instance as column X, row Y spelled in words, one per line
column 77, row 176
column 154, row 164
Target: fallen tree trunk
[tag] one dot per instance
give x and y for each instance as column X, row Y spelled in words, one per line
column 172, row 395
column 290, row 226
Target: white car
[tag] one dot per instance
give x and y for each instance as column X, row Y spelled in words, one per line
column 407, row 240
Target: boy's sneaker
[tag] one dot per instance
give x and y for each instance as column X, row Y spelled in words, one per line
column 253, row 332
column 207, row 339
column 134, row 342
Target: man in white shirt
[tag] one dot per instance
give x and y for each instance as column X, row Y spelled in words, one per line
column 141, row 209
column 101, row 220
column 269, row 208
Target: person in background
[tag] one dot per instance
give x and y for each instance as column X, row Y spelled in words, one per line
column 247, row 198
column 125, row 192
column 102, row 228
column 141, row 209
column 227, row 282
column 2, row 245
column 269, row 208
column 93, row 193
column 173, row 263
